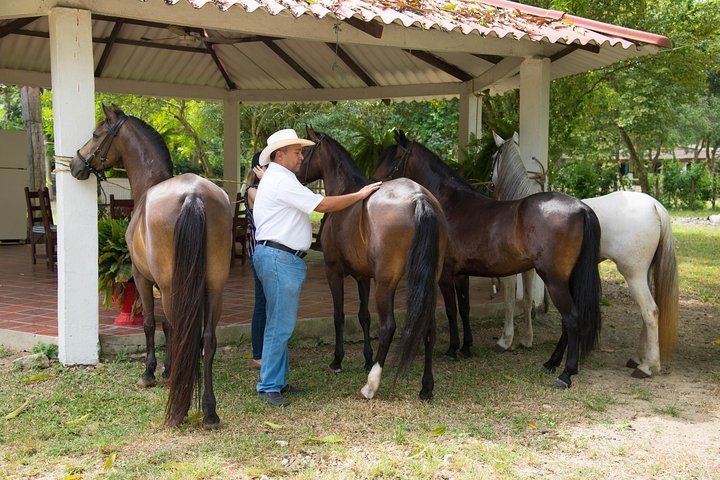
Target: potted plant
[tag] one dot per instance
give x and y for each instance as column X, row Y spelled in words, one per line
column 115, row 271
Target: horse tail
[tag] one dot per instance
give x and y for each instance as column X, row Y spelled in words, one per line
column 187, row 308
column 665, row 285
column 422, row 266
column 585, row 284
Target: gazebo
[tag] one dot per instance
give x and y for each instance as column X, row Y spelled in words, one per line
column 242, row 51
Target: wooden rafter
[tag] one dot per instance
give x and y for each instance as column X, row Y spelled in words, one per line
column 352, row 64
column 220, row 66
column 108, row 47
column 441, row 64
column 15, row 25
column 292, row 63
column 572, row 48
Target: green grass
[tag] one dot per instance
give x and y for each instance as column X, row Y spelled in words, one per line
column 698, row 251
column 493, row 416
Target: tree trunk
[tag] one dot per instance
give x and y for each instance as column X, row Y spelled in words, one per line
column 637, row 162
column 37, row 169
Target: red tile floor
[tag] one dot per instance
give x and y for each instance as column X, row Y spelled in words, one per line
column 28, row 295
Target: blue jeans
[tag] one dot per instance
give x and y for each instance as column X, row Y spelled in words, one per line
column 282, row 276
column 257, row 327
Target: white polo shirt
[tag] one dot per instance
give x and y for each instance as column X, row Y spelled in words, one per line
column 282, row 209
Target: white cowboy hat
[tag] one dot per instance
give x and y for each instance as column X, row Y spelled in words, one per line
column 280, row 139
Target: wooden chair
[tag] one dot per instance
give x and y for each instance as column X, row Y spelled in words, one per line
column 121, row 208
column 41, row 228
column 239, row 229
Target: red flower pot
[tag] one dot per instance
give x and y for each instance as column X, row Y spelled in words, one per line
column 127, row 316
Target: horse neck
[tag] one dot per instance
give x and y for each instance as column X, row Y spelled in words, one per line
column 143, row 162
column 341, row 175
column 512, row 180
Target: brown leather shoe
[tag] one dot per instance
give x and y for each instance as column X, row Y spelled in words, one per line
column 255, row 364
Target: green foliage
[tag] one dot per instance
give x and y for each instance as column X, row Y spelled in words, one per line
column 686, row 188
column 369, row 145
column 50, row 350
column 114, row 265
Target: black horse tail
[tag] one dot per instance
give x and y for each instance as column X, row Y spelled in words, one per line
column 585, row 284
column 187, row 308
column 422, row 266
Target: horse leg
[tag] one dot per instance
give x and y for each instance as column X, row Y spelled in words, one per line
column 213, row 307
column 447, row 289
column 649, row 350
column 144, row 288
column 336, row 282
column 505, row 341
column 364, row 318
column 526, row 338
column 384, row 298
column 560, row 294
column 462, row 289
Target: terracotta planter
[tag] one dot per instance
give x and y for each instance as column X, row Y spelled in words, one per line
column 127, row 316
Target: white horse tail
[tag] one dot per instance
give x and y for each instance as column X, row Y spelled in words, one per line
column 665, row 285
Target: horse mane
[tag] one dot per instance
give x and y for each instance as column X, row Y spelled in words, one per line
column 345, row 159
column 442, row 172
column 157, row 141
column 512, row 181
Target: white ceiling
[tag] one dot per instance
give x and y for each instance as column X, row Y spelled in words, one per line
column 265, row 51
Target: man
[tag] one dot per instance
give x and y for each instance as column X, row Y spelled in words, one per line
column 284, row 233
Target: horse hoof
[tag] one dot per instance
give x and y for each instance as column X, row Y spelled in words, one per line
column 637, row 373
column 500, row 349
column 560, row 384
column 361, row 396
column 632, row 364
column 466, row 352
column 212, row 423
column 548, row 369
column 368, row 367
column 426, row 396
column 451, row 355
column 335, row 367
column 146, row 382
column 525, row 346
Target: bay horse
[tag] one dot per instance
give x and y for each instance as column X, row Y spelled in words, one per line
column 554, row 233
column 179, row 238
column 398, row 229
column 636, row 236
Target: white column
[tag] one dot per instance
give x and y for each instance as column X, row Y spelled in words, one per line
column 231, row 147
column 470, row 121
column 534, row 127
column 73, row 89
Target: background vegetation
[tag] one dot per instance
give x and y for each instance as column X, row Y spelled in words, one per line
column 630, row 111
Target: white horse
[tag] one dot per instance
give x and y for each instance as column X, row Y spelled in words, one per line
column 636, row 235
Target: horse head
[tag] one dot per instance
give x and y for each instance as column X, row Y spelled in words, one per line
column 99, row 154
column 314, row 156
column 393, row 162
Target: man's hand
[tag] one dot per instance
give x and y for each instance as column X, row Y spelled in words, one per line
column 368, row 189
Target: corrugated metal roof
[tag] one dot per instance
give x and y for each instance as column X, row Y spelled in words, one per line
column 267, row 50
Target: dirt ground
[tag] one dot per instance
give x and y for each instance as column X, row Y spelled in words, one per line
column 667, row 426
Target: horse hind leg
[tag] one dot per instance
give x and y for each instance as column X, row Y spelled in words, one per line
column 384, row 298
column 462, row 290
column 447, row 289
column 364, row 318
column 648, row 357
column 213, row 307
column 506, row 338
column 526, row 337
column 144, row 288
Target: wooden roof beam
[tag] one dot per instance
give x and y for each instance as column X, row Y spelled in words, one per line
column 292, row 63
column 441, row 64
column 108, row 47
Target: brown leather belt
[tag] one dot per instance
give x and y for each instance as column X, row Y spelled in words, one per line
column 280, row 246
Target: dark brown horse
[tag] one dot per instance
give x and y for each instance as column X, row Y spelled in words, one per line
column 179, row 239
column 400, row 228
column 554, row 233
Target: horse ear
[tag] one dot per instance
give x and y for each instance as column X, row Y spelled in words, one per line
column 117, row 110
column 516, row 138
column 311, row 135
column 106, row 111
column 498, row 139
column 400, row 138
